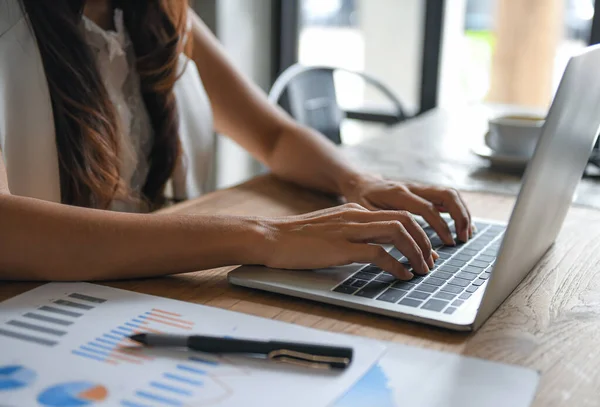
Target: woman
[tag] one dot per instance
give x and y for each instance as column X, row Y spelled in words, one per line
column 110, row 105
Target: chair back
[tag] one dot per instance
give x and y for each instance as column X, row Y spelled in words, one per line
column 309, row 96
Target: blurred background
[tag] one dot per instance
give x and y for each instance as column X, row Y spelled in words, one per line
column 431, row 53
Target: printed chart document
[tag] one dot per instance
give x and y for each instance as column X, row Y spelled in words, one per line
column 65, row 345
column 407, row 376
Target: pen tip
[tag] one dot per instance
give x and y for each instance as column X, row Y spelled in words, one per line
column 139, row 338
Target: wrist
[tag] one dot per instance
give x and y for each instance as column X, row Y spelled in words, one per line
column 353, row 182
column 254, row 242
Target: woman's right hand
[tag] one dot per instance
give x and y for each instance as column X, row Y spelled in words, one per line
column 343, row 235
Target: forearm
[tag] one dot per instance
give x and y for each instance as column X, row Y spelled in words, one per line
column 303, row 156
column 46, row 241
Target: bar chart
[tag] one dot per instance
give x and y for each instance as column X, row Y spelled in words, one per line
column 47, row 324
column 115, row 347
column 67, row 345
column 198, row 381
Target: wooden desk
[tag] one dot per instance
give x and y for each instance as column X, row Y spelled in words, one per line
column 551, row 322
column 435, row 148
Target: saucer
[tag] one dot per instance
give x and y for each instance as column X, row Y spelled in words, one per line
column 513, row 162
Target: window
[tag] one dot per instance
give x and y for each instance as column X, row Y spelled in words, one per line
column 382, row 38
column 510, row 51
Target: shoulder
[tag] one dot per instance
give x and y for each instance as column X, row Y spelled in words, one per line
column 10, row 14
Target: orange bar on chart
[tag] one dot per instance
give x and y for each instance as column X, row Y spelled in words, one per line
column 170, row 323
column 177, row 321
column 118, row 356
column 166, row 312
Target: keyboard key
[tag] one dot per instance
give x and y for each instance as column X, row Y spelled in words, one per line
column 442, row 274
column 479, row 282
column 417, row 279
column 344, row 289
column 409, row 302
column 472, row 288
column 469, row 252
column 435, row 281
column 482, row 264
column 419, row 295
column 349, row 281
column 447, row 249
column 465, row 296
column 444, row 256
column 363, row 275
column 486, row 258
column 472, row 269
column 462, row 257
column 372, row 290
column 452, row 289
column 385, row 278
column 458, row 303
column 436, row 242
column 467, row 275
column 404, row 285
column 459, row 282
column 456, row 263
column 427, row 287
column 477, row 246
column 359, row 283
column 371, row 268
column 449, row 269
column 435, row 305
column 445, row 296
column 392, row 295
column 450, row 310
column 485, row 276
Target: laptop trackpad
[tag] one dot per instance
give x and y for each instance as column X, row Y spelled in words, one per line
column 311, row 279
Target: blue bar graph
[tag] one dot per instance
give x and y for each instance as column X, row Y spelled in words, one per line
column 182, row 379
column 86, row 355
column 191, row 369
column 201, row 360
column 99, row 346
column 102, row 340
column 126, row 403
column 96, row 351
column 159, row 399
column 113, row 337
column 171, row 389
column 124, row 328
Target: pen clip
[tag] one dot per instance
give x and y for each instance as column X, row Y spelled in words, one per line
column 308, row 360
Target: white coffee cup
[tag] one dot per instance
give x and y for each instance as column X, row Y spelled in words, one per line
column 515, row 134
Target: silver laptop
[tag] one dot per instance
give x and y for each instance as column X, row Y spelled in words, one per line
column 471, row 280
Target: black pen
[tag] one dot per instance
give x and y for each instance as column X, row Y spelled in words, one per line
column 315, row 356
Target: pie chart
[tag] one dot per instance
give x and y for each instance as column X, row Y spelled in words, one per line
column 74, row 394
column 14, row 377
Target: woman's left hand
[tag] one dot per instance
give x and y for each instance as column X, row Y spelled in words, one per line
column 378, row 194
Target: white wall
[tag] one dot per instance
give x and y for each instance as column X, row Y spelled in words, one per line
column 393, row 41
column 244, row 29
column 453, row 55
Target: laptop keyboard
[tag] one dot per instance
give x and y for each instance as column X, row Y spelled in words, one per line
column 457, row 274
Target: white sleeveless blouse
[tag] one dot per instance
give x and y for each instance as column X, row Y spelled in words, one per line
column 27, row 136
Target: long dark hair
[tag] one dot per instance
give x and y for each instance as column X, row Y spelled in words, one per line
column 84, row 118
